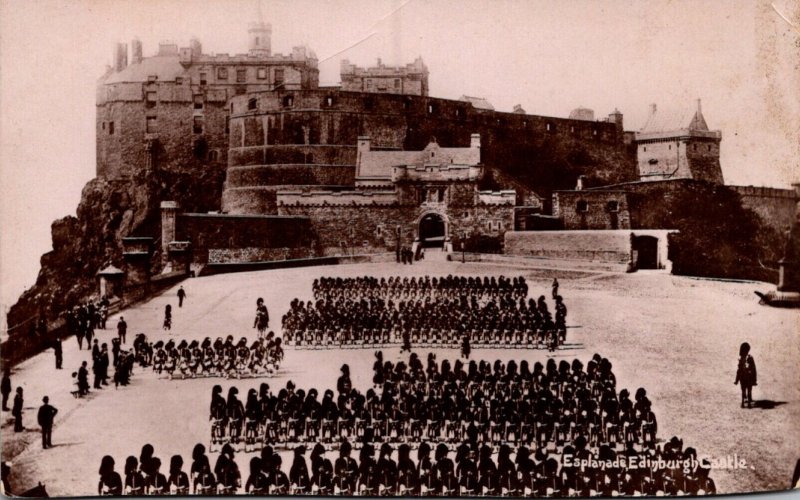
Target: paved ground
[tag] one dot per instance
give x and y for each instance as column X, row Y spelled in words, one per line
column 677, row 337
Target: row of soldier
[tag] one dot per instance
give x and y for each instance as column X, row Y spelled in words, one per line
column 468, row 469
column 423, row 286
column 220, row 358
column 369, row 321
column 552, row 405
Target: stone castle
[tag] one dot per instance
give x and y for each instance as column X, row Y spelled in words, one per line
column 212, row 163
column 376, row 163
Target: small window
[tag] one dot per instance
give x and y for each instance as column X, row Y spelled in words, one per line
column 150, row 99
column 572, row 129
column 261, row 73
column 613, row 206
column 288, row 101
column 594, row 132
column 645, row 149
column 152, row 78
column 328, row 101
column 431, row 109
column 669, row 146
column 213, row 155
column 252, row 103
column 104, row 125
column 582, row 206
column 197, row 99
column 231, row 108
column 203, row 78
column 397, row 83
column 278, row 77
column 549, row 127
column 709, row 147
column 110, row 128
column 197, row 124
column 151, row 125
column 222, row 73
column 241, row 75
column 179, row 80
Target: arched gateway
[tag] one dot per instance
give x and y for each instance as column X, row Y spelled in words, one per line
column 432, row 230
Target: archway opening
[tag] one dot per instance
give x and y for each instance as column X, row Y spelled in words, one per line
column 646, row 248
column 432, row 231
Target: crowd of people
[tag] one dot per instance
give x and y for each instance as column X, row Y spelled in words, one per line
column 424, row 311
column 219, row 358
column 85, row 318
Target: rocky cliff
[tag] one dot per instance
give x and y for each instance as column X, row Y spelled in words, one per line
column 108, row 211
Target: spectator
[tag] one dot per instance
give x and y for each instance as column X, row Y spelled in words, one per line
column 47, row 414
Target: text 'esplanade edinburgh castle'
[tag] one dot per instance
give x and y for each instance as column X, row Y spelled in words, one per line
column 213, row 163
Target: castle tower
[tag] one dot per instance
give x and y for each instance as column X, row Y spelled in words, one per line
column 678, row 145
column 259, row 36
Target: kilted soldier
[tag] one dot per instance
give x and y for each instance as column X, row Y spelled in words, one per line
column 110, row 481
column 256, row 483
column 746, row 375
column 346, row 471
column 387, row 472
column 407, row 480
column 134, row 481
column 321, row 472
column 298, row 474
column 178, row 481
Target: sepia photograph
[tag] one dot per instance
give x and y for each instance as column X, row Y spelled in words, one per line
column 506, row 248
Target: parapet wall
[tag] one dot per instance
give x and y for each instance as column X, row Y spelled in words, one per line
column 603, row 246
column 776, row 207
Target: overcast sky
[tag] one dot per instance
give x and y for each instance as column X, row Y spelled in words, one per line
column 740, row 57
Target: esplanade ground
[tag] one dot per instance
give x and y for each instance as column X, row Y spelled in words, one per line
column 677, row 337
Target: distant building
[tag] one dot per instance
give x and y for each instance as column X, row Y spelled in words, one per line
column 678, row 145
column 411, row 79
column 477, row 102
column 518, row 109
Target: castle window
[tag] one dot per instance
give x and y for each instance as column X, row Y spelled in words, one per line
column 213, row 155
column 252, row 103
column 110, row 128
column 150, row 99
column 328, row 102
column 104, row 125
column 278, row 77
column 150, row 125
column 612, row 206
column 197, row 124
column 288, row 101
column 431, row 109
column 241, row 75
column 669, row 146
column 152, row 78
column 261, row 73
column 645, row 149
column 179, row 80
column 466, row 215
column 582, row 206
column 197, row 99
column 203, row 78
column 222, row 73
column 572, row 129
column 550, row 127
column 709, row 147
column 397, row 83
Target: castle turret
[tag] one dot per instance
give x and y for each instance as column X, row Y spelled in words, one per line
column 259, row 36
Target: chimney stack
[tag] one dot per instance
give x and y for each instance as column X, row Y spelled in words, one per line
column 120, row 56
column 699, row 109
column 136, row 51
column 653, row 109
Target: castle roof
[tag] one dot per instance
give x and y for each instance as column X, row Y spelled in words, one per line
column 164, row 68
column 687, row 118
column 477, row 102
column 379, row 164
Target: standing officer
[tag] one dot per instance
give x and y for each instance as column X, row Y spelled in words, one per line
column 122, row 329
column 181, row 296
column 58, row 353
column 16, row 411
column 47, row 414
column 5, row 387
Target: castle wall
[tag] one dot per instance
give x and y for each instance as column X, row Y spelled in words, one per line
column 211, row 232
column 596, row 209
column 345, row 229
column 776, row 207
column 546, row 153
column 124, row 126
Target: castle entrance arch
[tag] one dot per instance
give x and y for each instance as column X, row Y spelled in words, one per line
column 432, row 230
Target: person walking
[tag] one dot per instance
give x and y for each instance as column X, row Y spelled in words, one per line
column 5, row 387
column 122, row 329
column 47, row 414
column 181, row 296
column 59, row 353
column 16, row 411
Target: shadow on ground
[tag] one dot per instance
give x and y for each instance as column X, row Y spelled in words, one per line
column 767, row 404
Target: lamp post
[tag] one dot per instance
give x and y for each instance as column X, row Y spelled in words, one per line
column 463, row 246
